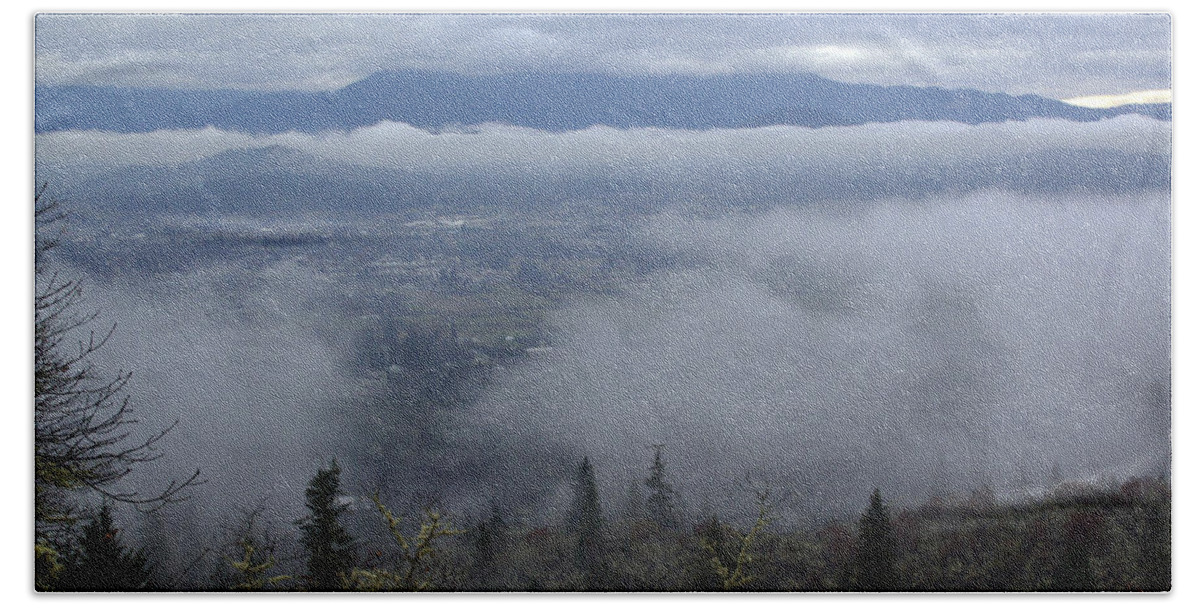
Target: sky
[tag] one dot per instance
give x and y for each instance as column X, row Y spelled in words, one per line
column 1071, row 57
column 1054, row 55
column 1081, row 56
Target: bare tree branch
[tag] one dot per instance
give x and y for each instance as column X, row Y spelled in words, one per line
column 84, row 433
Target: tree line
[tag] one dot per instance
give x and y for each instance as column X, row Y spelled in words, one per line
column 1084, row 539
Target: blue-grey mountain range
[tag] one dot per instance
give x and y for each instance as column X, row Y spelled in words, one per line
column 546, row 101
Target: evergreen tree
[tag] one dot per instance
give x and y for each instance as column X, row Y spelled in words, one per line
column 660, row 505
column 585, row 518
column 329, row 547
column 103, row 563
column 490, row 540
column 585, row 501
column 635, row 502
column 875, row 555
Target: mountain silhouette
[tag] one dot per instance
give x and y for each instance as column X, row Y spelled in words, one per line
column 547, row 101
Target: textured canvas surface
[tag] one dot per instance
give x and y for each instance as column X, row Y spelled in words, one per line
column 622, row 302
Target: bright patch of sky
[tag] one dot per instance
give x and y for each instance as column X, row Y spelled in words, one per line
column 1055, row 55
column 1112, row 101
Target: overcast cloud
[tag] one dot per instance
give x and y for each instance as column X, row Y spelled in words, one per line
column 494, row 147
column 1059, row 56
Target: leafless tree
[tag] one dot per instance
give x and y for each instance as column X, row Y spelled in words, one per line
column 84, row 434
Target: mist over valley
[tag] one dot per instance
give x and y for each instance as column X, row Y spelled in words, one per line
column 604, row 310
column 934, row 339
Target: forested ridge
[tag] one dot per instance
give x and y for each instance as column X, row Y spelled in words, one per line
column 1078, row 538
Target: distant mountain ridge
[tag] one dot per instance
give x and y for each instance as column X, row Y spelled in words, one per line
column 547, row 101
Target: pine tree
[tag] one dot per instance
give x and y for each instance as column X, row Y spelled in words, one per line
column 660, row 505
column 585, row 501
column 635, row 502
column 329, row 547
column 490, row 543
column 103, row 563
column 585, row 518
column 875, row 555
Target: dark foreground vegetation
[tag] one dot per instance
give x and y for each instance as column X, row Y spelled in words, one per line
column 1076, row 538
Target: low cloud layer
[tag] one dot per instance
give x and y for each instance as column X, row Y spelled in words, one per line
column 918, row 347
column 250, row 366
column 928, row 345
column 393, row 166
column 916, row 306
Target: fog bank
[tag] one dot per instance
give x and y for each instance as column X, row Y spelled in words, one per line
column 393, row 166
column 918, row 347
